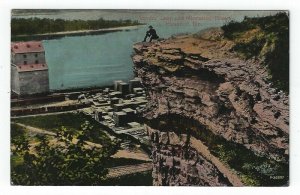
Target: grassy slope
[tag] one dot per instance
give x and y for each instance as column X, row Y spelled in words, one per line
column 266, row 39
column 69, row 120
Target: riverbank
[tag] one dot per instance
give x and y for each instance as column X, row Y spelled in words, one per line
column 54, row 35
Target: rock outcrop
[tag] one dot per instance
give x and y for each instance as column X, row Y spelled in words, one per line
column 200, row 80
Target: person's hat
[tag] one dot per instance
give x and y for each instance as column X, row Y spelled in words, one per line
column 150, row 26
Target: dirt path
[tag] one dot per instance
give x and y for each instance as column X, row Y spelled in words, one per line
column 50, row 104
column 231, row 176
column 54, row 141
column 36, row 130
column 138, row 154
column 128, row 169
column 45, row 114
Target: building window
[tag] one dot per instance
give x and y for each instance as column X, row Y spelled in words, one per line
column 36, row 55
column 24, row 56
column 25, row 62
column 36, row 62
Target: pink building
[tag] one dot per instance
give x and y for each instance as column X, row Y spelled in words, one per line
column 29, row 71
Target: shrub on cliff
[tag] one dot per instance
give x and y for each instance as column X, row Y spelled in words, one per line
column 266, row 39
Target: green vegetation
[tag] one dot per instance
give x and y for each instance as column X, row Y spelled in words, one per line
column 63, row 163
column 31, row 26
column 35, row 11
column 244, row 160
column 18, row 135
column 266, row 39
column 35, row 160
column 255, row 170
column 16, row 131
column 71, row 121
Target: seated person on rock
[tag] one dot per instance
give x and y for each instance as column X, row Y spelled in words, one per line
column 151, row 33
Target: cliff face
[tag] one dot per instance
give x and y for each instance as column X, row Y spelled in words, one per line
column 210, row 114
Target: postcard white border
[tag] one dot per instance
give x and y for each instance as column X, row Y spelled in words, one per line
column 291, row 5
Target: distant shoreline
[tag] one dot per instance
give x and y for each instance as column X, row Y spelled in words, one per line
column 76, row 33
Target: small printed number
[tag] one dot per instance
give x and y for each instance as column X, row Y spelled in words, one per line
column 277, row 177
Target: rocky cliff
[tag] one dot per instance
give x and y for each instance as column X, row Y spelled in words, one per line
column 214, row 118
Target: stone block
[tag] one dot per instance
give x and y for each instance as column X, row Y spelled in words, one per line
column 116, row 84
column 163, row 137
column 169, row 161
column 173, row 138
column 183, row 138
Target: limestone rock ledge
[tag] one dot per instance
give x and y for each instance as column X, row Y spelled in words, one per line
column 185, row 161
column 203, row 80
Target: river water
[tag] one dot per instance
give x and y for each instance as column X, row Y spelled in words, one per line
column 98, row 60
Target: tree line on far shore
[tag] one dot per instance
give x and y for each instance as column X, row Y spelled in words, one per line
column 31, row 26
